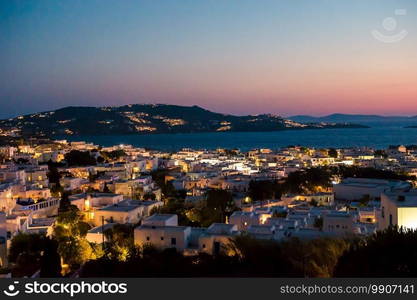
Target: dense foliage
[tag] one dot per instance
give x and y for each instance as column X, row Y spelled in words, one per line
column 315, row 179
column 389, row 253
column 79, row 158
column 246, row 257
column 32, row 252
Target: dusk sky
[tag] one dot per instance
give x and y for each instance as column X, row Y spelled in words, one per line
column 232, row 56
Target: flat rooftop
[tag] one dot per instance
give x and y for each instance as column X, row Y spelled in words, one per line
column 100, row 229
column 104, row 195
column 339, row 214
column 42, row 222
column 165, row 228
column 119, row 208
column 410, row 198
column 123, row 206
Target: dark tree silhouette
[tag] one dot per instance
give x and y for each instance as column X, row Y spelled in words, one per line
column 79, row 158
column 50, row 260
column 388, row 253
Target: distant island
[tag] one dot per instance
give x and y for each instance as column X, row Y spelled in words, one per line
column 148, row 119
column 357, row 119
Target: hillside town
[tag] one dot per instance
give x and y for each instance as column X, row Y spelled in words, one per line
column 198, row 201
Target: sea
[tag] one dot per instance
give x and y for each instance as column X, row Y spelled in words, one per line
column 377, row 136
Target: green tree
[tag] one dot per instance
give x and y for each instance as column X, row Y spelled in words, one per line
column 50, row 260
column 79, row 158
column 25, row 254
column 149, row 196
column 30, row 252
column 318, row 223
column 220, row 201
column 53, row 173
column 159, row 176
column 381, row 153
column 279, row 214
column 360, row 172
column 70, row 231
column 113, row 155
column 120, row 241
column 176, row 206
column 333, row 153
column 65, row 203
column 388, row 253
column 264, row 190
column 365, row 200
column 308, row 181
column 106, row 188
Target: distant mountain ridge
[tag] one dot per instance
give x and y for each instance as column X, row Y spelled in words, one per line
column 147, row 118
column 358, row 119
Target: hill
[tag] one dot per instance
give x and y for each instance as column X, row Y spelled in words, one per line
column 147, row 118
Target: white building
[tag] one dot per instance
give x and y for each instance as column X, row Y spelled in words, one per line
column 243, row 219
column 161, row 220
column 96, row 234
column 326, row 199
column 339, row 223
column 357, row 188
column 217, row 238
column 162, row 231
column 3, row 240
column 398, row 208
column 39, row 209
column 72, row 183
column 37, row 176
column 266, row 232
column 7, row 203
column 126, row 211
column 91, row 202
